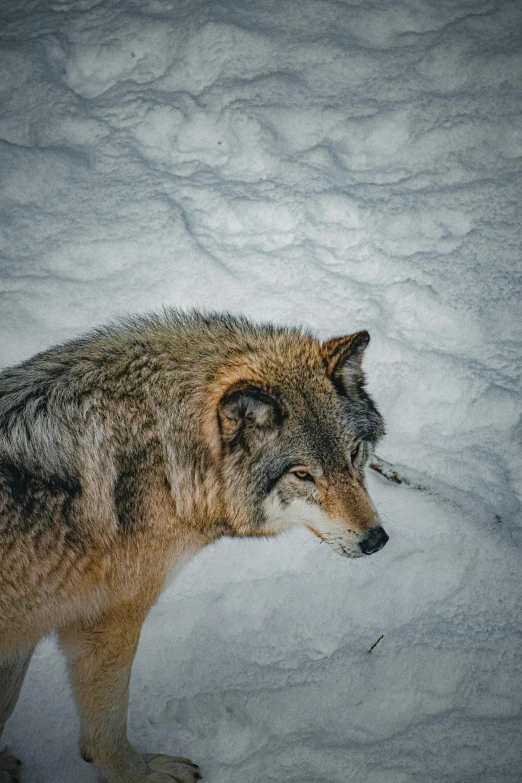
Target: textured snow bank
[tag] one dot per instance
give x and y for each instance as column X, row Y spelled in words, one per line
column 341, row 166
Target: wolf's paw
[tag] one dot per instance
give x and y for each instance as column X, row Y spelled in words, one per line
column 9, row 769
column 165, row 769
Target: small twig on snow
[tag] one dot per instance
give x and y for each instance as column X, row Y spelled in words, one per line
column 376, row 643
column 387, row 470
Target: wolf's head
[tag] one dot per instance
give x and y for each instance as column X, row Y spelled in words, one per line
column 296, row 427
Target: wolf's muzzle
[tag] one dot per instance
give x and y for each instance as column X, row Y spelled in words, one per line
column 374, row 540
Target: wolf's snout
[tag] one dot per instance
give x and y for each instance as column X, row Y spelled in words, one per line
column 374, row 540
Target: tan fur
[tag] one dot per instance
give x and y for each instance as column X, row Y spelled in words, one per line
column 351, row 503
column 119, row 458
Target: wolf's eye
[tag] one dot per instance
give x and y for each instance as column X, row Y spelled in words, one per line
column 302, row 474
column 355, row 452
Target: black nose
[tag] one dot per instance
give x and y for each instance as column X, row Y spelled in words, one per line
column 374, row 540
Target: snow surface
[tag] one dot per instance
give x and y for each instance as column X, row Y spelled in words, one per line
column 329, row 163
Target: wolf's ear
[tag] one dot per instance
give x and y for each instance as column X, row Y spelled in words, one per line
column 246, row 411
column 343, row 356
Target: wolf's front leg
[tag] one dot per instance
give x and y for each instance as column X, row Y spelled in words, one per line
column 100, row 655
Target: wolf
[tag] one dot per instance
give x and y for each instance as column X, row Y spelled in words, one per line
column 126, row 451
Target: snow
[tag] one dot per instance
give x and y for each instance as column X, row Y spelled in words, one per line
column 334, row 164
